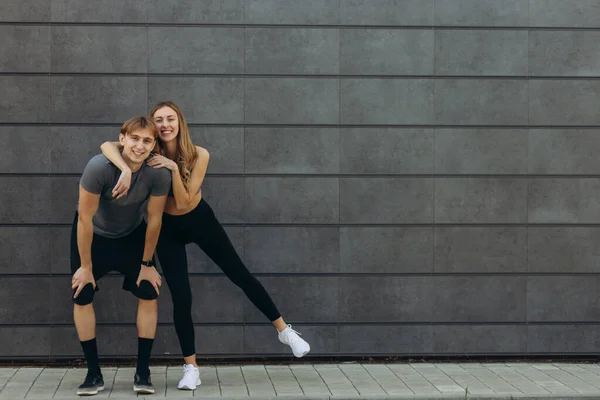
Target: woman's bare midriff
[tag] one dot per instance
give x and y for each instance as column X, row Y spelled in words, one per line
column 171, row 208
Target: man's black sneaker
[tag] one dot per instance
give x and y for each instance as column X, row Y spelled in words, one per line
column 142, row 384
column 92, row 385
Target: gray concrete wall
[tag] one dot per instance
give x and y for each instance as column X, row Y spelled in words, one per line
column 406, row 177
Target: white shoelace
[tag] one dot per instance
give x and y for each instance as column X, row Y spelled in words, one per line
column 291, row 337
column 187, row 371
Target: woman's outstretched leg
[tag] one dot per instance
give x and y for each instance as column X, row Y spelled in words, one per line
column 213, row 240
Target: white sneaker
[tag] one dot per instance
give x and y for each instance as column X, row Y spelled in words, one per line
column 290, row 337
column 191, row 378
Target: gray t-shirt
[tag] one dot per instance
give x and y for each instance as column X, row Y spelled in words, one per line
column 118, row 218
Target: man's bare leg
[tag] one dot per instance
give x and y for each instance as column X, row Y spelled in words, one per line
column 85, row 321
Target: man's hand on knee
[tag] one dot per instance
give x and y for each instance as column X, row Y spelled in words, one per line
column 80, row 278
column 151, row 275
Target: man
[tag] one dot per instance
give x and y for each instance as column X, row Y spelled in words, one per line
column 110, row 234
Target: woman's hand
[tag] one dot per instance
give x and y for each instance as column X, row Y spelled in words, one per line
column 123, row 184
column 162, row 162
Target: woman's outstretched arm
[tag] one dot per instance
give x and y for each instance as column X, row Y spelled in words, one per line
column 112, row 151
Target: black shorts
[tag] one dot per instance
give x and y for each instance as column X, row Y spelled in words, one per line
column 123, row 255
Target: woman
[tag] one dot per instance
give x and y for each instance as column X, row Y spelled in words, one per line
column 188, row 218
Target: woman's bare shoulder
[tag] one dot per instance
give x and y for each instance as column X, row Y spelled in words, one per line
column 202, row 152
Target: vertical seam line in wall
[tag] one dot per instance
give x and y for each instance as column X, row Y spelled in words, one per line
column 244, row 212
column 147, row 62
column 49, row 123
column 48, row 132
column 339, row 167
column 433, row 178
column 528, row 179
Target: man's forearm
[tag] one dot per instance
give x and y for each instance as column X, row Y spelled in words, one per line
column 152, row 233
column 85, row 235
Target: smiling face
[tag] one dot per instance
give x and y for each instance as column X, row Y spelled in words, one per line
column 138, row 137
column 137, row 145
column 167, row 121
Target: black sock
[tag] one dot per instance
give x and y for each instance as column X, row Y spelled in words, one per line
column 90, row 350
column 143, row 361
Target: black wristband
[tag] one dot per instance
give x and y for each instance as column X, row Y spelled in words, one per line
column 148, row 263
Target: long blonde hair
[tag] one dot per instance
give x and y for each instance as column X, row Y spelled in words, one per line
column 186, row 154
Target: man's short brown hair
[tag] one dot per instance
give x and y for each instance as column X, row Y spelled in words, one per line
column 137, row 123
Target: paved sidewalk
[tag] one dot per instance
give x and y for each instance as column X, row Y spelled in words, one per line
column 326, row 381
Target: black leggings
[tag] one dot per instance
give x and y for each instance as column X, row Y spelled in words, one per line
column 200, row 226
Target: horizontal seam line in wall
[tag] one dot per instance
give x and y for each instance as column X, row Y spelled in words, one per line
column 332, row 126
column 220, row 359
column 329, row 176
column 324, row 357
column 429, row 274
column 348, row 225
column 305, row 26
column 303, row 76
column 331, row 324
